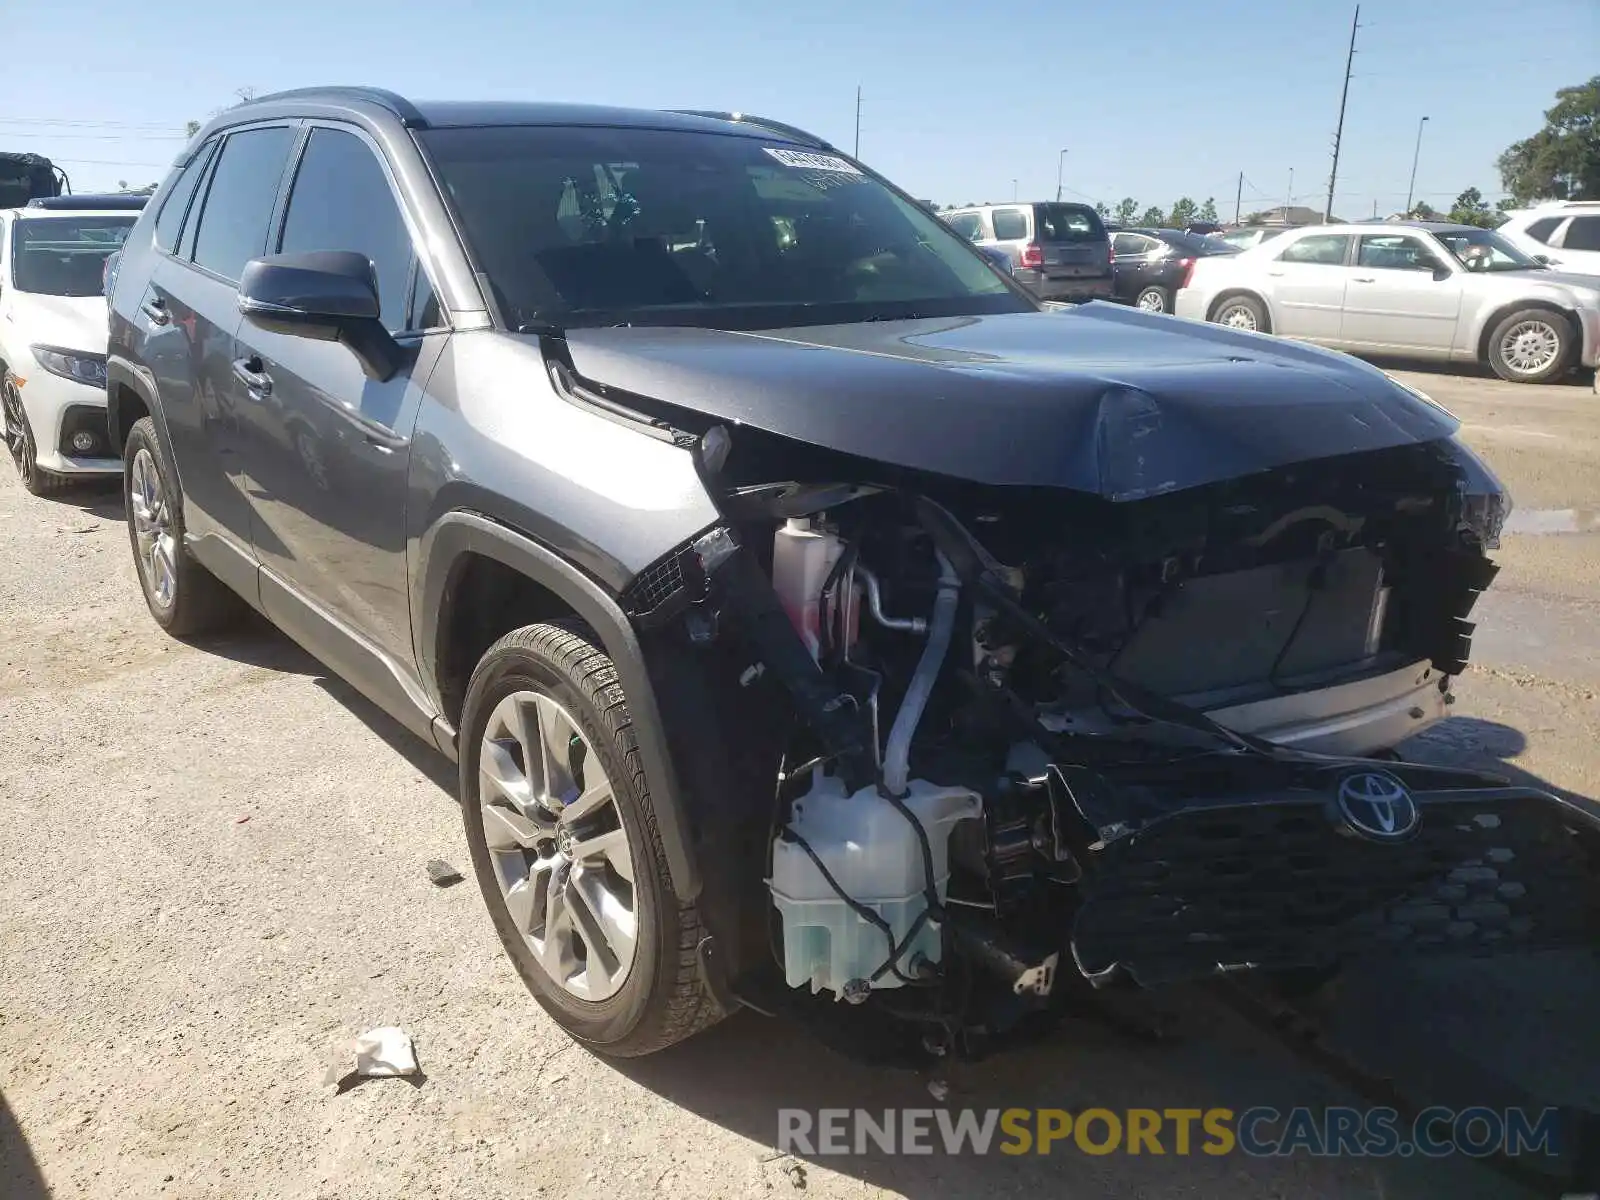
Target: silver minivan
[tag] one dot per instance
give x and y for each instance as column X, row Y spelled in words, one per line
column 1058, row 251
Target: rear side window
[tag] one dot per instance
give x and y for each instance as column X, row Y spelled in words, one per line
column 968, row 225
column 342, row 201
column 1582, row 234
column 239, row 202
column 1010, row 224
column 1069, row 223
column 1541, row 229
column 1320, row 249
column 173, row 208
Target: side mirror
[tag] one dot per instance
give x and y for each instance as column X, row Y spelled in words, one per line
column 328, row 295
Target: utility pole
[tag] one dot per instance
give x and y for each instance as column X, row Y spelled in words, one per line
column 1288, row 197
column 1349, row 62
column 1238, row 198
column 1061, row 161
column 1013, row 191
column 1415, row 155
column 858, row 122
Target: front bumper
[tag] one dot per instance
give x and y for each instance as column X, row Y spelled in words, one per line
column 1276, row 879
column 1589, row 342
column 1353, row 718
column 56, row 408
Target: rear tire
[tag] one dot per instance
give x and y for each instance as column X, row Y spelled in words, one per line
column 24, row 450
column 184, row 598
column 1244, row 313
column 614, row 960
column 1155, row 299
column 1533, row 345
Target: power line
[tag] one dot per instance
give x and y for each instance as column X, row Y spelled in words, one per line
column 98, row 137
column 64, row 122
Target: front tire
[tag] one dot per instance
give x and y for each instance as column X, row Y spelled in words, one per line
column 1534, row 345
column 24, row 450
column 562, row 832
column 184, row 598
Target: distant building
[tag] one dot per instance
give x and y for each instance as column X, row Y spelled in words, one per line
column 1290, row 215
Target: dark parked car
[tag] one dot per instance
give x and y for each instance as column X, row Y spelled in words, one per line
column 1058, row 251
column 1151, row 264
column 812, row 612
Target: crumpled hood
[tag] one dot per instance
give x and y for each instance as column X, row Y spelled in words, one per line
column 66, row 322
column 1100, row 399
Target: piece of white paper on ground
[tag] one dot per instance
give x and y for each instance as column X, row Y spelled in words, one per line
column 385, row 1051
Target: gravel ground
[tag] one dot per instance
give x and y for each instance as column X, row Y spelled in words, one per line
column 212, row 876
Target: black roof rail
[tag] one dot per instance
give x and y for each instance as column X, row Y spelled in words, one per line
column 408, row 113
column 791, row 131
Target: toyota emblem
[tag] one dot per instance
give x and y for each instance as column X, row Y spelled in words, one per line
column 1377, row 806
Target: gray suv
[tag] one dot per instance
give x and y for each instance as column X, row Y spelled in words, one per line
column 812, row 613
column 1060, row 251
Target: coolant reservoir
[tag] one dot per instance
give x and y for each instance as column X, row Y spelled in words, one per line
column 801, row 559
column 873, row 853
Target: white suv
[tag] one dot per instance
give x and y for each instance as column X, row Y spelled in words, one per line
column 1566, row 232
column 53, row 336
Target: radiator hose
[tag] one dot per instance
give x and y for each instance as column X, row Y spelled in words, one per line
column 897, row 752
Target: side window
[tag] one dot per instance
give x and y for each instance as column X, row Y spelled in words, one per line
column 424, row 312
column 239, row 202
column 170, row 220
column 341, row 200
column 1391, row 252
column 968, row 225
column 1319, row 249
column 1541, row 229
column 1582, row 234
column 1010, row 224
column 1123, row 244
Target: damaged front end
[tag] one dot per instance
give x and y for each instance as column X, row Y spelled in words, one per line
column 1029, row 741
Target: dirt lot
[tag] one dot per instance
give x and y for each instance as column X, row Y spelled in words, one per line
column 212, row 876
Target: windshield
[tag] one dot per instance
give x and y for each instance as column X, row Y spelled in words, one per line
column 1483, row 250
column 65, row 256
column 578, row 226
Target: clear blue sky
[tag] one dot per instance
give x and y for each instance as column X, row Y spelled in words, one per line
column 1152, row 100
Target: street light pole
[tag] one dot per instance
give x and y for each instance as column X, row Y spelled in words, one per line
column 1061, row 161
column 1415, row 155
column 1013, row 191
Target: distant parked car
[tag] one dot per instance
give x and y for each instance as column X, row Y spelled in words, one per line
column 1251, row 236
column 53, row 338
column 1058, row 251
column 1424, row 290
column 1566, row 233
column 1149, row 264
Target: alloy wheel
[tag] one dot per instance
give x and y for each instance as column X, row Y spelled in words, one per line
column 1151, row 300
column 152, row 527
column 560, row 852
column 17, row 439
column 1237, row 316
column 1529, row 347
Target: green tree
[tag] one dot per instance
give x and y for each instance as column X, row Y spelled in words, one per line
column 1153, row 217
column 1127, row 211
column 1562, row 160
column 1100, row 207
column 1423, row 211
column 190, row 128
column 1470, row 209
column 1183, row 213
column 1208, row 210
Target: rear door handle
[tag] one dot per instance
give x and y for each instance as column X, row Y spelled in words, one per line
column 1276, row 274
column 156, row 310
column 1363, row 279
column 251, row 373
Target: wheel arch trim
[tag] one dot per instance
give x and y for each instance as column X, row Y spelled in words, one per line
column 459, row 533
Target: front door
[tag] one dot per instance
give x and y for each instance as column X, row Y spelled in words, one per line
column 328, row 448
column 1307, row 280
column 1402, row 295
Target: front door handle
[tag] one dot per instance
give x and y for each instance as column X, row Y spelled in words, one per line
column 252, row 373
column 1363, row 279
column 156, row 310
column 1276, row 274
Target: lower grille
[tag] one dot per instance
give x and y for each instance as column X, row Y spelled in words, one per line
column 1279, row 884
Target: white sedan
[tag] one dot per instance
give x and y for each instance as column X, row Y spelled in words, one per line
column 53, row 339
column 1416, row 289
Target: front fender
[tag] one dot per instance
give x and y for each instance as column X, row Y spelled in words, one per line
column 458, row 533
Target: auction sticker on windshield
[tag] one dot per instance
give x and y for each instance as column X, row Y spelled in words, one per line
column 811, row 162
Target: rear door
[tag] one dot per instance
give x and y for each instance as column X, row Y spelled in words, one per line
column 1073, row 241
column 1306, row 281
column 1401, row 295
column 213, row 222
column 328, row 448
column 1579, row 245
